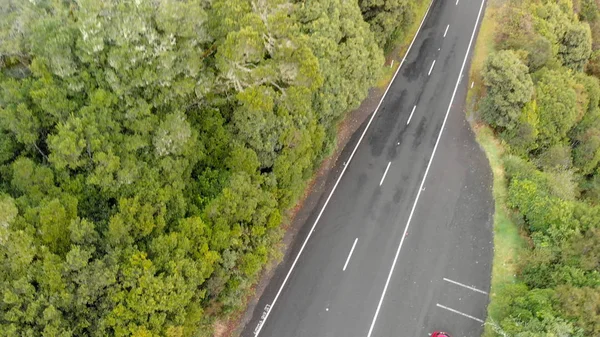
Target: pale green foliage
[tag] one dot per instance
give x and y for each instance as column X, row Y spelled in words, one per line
column 563, row 184
column 557, row 105
column 172, row 135
column 552, row 22
column 557, row 157
column 8, row 212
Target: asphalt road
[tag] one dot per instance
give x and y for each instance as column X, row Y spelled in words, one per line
column 403, row 244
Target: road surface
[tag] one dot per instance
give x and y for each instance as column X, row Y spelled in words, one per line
column 401, row 245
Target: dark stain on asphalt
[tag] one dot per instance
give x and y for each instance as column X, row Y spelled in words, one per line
column 419, row 133
column 385, row 124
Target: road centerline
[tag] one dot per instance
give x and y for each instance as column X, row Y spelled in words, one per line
column 446, row 31
column 430, row 69
column 387, row 282
column 385, row 173
column 411, row 114
column 350, row 254
column 460, row 313
column 465, row 286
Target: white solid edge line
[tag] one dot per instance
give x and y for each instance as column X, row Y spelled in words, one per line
column 430, row 69
column 446, row 31
column 384, row 173
column 460, row 313
column 257, row 331
column 350, row 254
column 465, row 286
column 411, row 114
column 387, row 282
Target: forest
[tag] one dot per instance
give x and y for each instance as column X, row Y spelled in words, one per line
column 542, row 100
column 150, row 150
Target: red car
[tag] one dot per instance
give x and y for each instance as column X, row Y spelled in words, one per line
column 440, row 334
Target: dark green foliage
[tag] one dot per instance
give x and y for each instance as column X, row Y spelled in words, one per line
column 586, row 134
column 539, row 52
column 509, row 87
column 591, row 188
column 149, row 150
column 388, row 18
column 576, row 46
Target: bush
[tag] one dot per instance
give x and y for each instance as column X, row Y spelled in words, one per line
column 563, row 184
column 557, row 157
column 509, row 87
column 517, row 167
column 582, row 305
column 542, row 211
column 588, row 10
column 557, row 106
column 539, row 52
column 576, row 46
column 387, row 18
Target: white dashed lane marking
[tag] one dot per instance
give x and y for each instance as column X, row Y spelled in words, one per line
column 460, row 313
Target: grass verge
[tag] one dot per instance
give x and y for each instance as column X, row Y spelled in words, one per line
column 508, row 241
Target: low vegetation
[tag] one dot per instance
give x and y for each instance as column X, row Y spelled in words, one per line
column 149, row 150
column 540, row 93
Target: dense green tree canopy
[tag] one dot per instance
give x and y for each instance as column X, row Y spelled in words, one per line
column 552, row 166
column 509, row 88
column 149, row 150
column 576, row 46
column 388, row 18
column 557, row 106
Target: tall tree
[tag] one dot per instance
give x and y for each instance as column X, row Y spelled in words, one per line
column 387, row 18
column 509, row 87
column 557, row 104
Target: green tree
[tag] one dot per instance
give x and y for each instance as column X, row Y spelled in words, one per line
column 576, row 46
column 509, row 88
column 582, row 305
column 544, row 213
column 552, row 21
column 557, row 105
column 532, row 313
column 557, row 157
column 387, row 18
column 349, row 57
column 149, row 150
